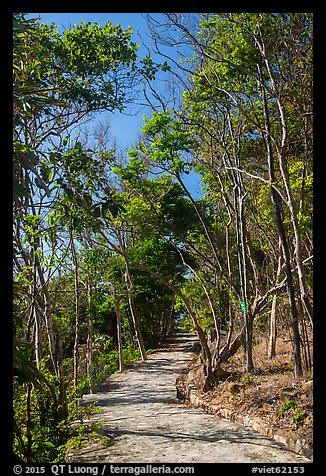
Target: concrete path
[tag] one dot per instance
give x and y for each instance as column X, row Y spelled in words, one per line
column 150, row 425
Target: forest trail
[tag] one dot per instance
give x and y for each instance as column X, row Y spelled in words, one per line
column 150, row 425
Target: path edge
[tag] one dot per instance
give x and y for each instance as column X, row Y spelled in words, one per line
column 298, row 446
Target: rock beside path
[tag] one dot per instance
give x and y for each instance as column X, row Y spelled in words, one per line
column 148, row 424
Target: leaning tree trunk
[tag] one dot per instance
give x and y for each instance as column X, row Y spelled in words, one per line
column 210, row 378
column 215, row 360
column 248, row 321
column 272, row 330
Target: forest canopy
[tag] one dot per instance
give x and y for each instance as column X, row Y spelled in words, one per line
column 112, row 252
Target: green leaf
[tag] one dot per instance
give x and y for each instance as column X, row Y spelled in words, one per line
column 24, row 370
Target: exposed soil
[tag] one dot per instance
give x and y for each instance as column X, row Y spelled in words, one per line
column 266, row 392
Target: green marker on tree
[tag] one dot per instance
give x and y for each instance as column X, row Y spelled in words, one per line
column 243, row 306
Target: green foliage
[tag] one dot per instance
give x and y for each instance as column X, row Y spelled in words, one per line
column 169, row 139
column 49, row 435
column 247, row 379
column 46, row 432
column 297, row 415
column 82, row 63
column 107, row 363
column 24, row 370
column 287, row 406
column 155, row 253
column 85, row 435
column 64, row 190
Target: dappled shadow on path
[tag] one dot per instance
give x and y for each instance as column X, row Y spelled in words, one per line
column 144, row 418
column 148, row 382
column 214, row 436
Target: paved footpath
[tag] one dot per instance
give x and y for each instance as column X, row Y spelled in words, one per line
column 150, row 425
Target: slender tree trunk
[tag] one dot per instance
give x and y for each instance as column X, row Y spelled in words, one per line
column 35, row 316
column 239, row 197
column 135, row 318
column 290, row 201
column 272, row 329
column 48, row 317
column 37, row 337
column 201, row 334
column 77, row 312
column 272, row 322
column 284, row 244
column 228, row 259
column 62, row 401
column 133, row 311
column 28, row 424
column 89, row 355
column 248, row 321
column 119, row 330
column 43, row 309
column 206, row 230
column 89, row 350
column 170, row 325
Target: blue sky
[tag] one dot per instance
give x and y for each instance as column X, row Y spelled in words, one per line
column 124, row 128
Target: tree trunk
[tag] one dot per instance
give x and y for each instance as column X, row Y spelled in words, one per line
column 48, row 318
column 119, row 330
column 133, row 311
column 136, row 322
column 36, row 316
column 284, row 243
column 89, row 343
column 201, row 334
column 272, row 322
column 89, row 355
column 77, row 312
column 37, row 337
column 230, row 349
column 28, row 424
column 240, row 195
column 214, row 316
column 289, row 280
column 290, row 201
column 272, row 330
column 62, row 401
column 248, row 321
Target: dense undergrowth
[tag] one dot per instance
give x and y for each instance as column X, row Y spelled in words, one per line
column 39, row 432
